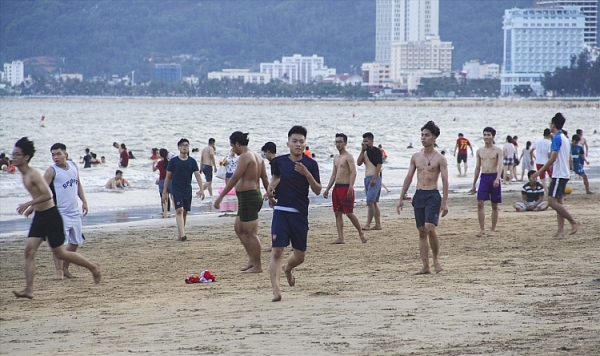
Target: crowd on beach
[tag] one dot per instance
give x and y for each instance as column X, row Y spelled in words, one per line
column 56, row 193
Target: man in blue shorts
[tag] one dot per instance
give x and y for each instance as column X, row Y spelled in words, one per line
column 490, row 161
column 179, row 171
column 577, row 160
column 427, row 201
column 372, row 158
column 292, row 174
column 559, row 161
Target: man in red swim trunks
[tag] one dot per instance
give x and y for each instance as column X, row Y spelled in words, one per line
column 343, row 175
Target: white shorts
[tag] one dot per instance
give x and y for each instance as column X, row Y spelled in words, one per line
column 531, row 203
column 73, row 229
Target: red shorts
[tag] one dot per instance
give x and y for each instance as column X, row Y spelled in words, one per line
column 340, row 199
column 543, row 174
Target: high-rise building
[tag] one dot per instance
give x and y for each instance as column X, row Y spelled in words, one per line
column 405, row 21
column 298, row 68
column 167, row 72
column 13, row 73
column 589, row 9
column 537, row 41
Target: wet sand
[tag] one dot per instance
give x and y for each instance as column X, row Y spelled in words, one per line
column 520, row 292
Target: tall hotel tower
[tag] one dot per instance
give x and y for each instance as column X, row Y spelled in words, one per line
column 403, row 21
column 588, row 7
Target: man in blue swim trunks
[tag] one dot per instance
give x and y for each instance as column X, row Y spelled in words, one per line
column 294, row 174
column 427, row 202
column 372, row 158
column 490, row 161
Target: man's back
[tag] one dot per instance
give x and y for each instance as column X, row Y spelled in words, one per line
column 542, row 149
column 207, row 155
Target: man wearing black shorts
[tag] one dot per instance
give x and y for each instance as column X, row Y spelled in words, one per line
column 427, row 201
column 294, row 174
column 47, row 222
column 461, row 145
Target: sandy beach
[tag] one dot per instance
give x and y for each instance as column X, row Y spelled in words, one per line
column 520, row 292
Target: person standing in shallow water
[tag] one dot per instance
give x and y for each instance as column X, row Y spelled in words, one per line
column 427, row 202
column 47, row 222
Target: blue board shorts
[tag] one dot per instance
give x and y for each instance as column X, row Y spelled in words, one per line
column 183, row 201
column 289, row 227
column 373, row 192
column 427, row 205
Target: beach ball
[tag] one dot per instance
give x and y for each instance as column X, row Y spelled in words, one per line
column 568, row 190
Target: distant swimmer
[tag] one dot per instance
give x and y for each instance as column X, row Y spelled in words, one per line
column 427, row 202
column 87, row 159
column 208, row 164
column 117, row 181
column 532, row 195
column 308, row 152
column 343, row 176
column 47, row 222
column 384, row 154
column 410, row 145
column 246, row 179
column 489, row 164
column 123, row 156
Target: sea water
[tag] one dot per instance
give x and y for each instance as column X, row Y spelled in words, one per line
column 146, row 124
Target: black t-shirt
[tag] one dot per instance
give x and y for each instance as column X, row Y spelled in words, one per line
column 375, row 155
column 87, row 161
column 533, row 194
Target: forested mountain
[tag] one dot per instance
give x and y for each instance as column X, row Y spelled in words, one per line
column 104, row 37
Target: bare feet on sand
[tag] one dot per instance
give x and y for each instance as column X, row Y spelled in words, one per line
column 182, row 238
column 248, row 266
column 338, row 242
column 438, row 267
column 68, row 274
column 423, row 271
column 253, row 270
column 23, row 294
column 575, row 227
column 491, row 233
column 372, row 228
column 480, row 234
column 97, row 275
column 59, row 277
column 276, row 297
column 559, row 233
column 363, row 238
column 290, row 277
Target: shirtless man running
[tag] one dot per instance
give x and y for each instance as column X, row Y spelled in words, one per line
column 427, row 201
column 46, row 223
column 208, row 165
column 489, row 163
column 246, row 179
column 344, row 176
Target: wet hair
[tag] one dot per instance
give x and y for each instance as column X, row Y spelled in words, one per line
column 61, row 146
column 239, row 137
column 26, row 147
column 576, row 138
column 368, row 135
column 164, row 154
column 118, row 172
column 530, row 173
column 211, row 141
column 490, row 130
column 460, row 135
column 269, row 146
column 527, row 145
column 297, row 129
column 558, row 121
column 579, row 132
column 509, row 139
column 123, row 146
column 155, row 150
column 546, row 132
column 87, row 150
column 182, row 141
column 432, row 127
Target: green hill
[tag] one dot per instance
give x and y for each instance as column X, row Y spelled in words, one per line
column 100, row 37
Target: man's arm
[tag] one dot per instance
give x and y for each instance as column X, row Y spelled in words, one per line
column 40, row 184
column 532, row 155
column 548, row 164
column 212, row 160
column 455, row 148
column 361, row 157
column 584, row 157
column 376, row 174
column 444, row 172
column 272, row 185
column 476, row 173
column 81, row 194
column 586, row 148
column 242, row 165
column 471, row 147
column 407, row 181
column 199, row 180
column 263, row 176
column 499, row 167
column 331, row 180
column 350, row 161
column 165, row 193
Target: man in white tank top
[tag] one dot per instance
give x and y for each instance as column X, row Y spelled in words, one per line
column 63, row 178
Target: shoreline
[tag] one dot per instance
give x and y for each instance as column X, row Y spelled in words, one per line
column 401, row 102
column 520, row 292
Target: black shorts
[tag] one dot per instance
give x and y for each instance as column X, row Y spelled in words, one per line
column 287, row 226
column 461, row 157
column 183, row 201
column 557, row 187
column 48, row 224
column 427, row 205
column 208, row 172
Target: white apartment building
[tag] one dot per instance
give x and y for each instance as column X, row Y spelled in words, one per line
column 589, row 9
column 431, row 55
column 475, row 70
column 287, row 72
column 405, row 21
column 241, row 74
column 14, row 73
column 298, row 68
column 69, row 76
column 375, row 74
column 537, row 41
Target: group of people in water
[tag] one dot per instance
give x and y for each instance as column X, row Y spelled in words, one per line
column 293, row 175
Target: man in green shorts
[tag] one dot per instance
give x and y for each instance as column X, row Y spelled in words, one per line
column 246, row 179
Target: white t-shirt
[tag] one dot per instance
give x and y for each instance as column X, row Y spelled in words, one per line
column 561, row 143
column 509, row 150
column 542, row 149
